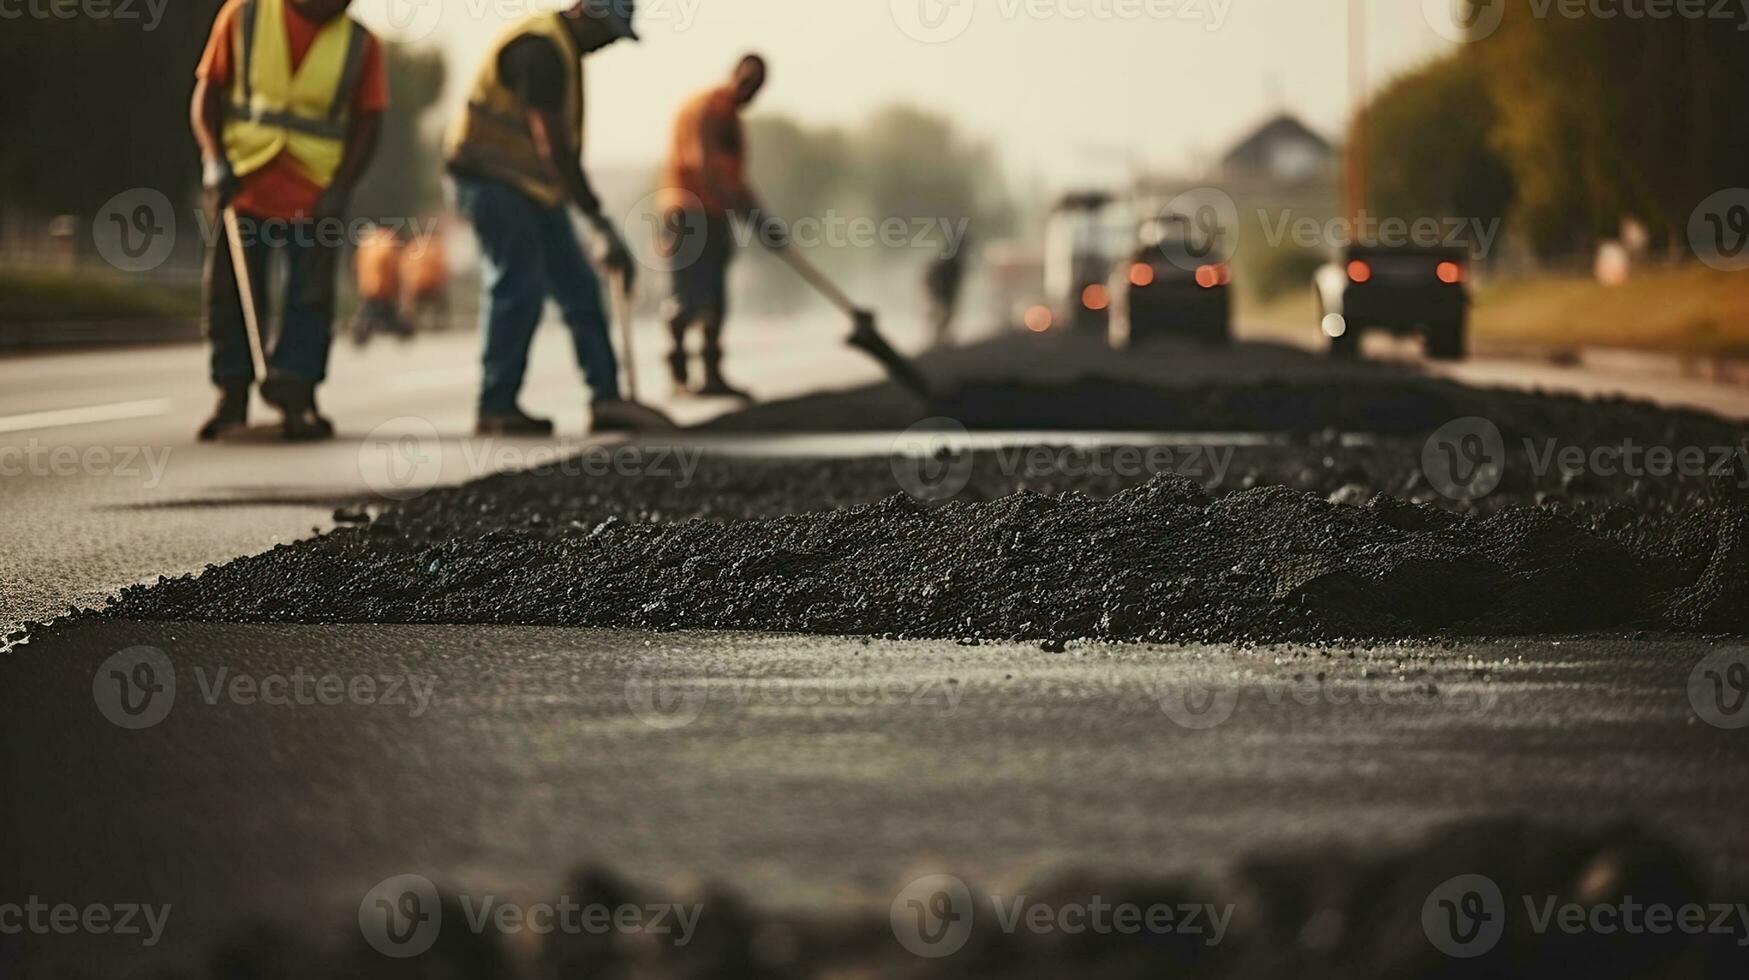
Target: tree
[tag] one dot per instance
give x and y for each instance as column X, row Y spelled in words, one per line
column 1430, row 154
column 1602, row 118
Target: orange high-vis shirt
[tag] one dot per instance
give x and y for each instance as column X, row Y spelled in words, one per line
column 708, row 143
column 424, row 268
column 379, row 266
column 282, row 189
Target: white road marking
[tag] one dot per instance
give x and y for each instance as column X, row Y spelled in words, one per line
column 113, row 412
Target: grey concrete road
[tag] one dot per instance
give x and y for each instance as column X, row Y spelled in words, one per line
column 807, row 773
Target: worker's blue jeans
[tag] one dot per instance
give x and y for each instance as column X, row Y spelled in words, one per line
column 530, row 252
column 306, row 310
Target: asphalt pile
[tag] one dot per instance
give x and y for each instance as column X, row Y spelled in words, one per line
column 1165, row 560
column 1333, row 531
column 1377, row 403
column 1315, row 914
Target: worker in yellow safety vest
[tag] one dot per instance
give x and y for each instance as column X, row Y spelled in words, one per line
column 515, row 153
column 287, row 110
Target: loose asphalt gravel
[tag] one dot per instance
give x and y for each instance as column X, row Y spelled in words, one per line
column 1346, row 528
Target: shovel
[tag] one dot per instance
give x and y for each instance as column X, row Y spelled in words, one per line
column 865, row 335
column 246, row 292
column 640, row 416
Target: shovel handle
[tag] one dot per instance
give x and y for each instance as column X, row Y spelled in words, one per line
column 620, row 299
column 818, row 280
column 245, row 292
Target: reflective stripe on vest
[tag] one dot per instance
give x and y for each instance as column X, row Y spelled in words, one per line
column 275, row 109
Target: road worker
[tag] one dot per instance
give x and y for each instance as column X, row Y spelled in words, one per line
column 287, row 110
column 703, row 185
column 515, row 155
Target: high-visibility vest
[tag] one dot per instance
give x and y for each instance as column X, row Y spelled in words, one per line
column 274, row 110
column 491, row 136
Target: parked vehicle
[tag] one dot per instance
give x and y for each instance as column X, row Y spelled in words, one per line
column 1175, row 284
column 1405, row 290
column 1085, row 235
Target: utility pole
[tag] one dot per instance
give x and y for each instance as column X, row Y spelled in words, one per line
column 1354, row 177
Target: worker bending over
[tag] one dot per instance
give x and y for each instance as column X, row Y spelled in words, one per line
column 515, row 155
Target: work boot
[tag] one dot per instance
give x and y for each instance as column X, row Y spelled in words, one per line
column 232, row 413
column 677, row 369
column 715, row 385
column 515, row 422
column 321, row 421
column 296, row 400
column 619, row 415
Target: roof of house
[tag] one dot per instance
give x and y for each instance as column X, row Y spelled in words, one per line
column 1253, row 150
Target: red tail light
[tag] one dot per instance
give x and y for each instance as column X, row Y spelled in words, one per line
column 1359, row 271
column 1141, row 274
column 1210, row 276
column 1095, row 297
column 1450, row 273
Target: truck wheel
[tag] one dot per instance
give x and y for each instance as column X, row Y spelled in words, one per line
column 1446, row 342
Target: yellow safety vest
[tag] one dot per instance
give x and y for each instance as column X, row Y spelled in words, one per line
column 491, row 136
column 273, row 110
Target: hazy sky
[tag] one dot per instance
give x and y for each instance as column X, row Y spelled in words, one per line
column 1068, row 90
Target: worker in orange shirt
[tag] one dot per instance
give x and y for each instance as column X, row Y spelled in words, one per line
column 425, row 282
column 377, row 263
column 287, row 110
column 704, row 183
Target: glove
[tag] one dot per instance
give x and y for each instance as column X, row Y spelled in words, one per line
column 219, row 180
column 615, row 257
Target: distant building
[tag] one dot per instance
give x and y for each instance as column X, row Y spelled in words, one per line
column 1283, row 151
column 1282, row 165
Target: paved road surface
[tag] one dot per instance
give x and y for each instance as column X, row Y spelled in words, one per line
column 104, row 485
column 814, row 770
column 804, row 771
